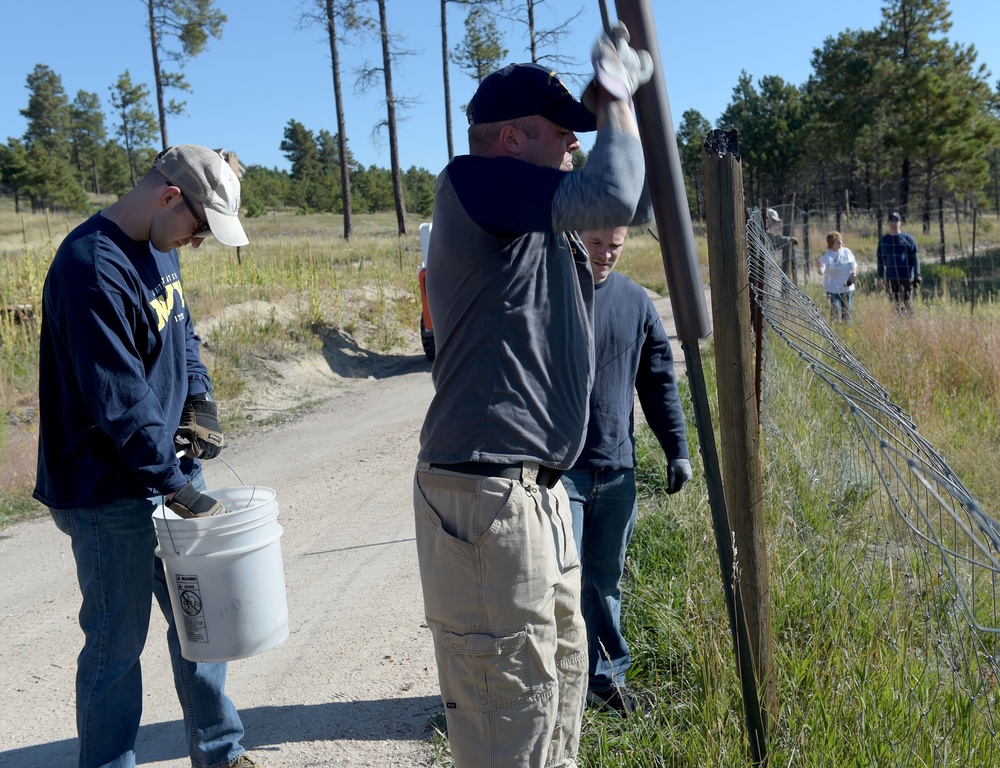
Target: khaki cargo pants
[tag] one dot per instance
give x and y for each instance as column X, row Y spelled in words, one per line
column 501, row 584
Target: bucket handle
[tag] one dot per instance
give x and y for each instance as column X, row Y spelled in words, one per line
column 253, row 487
column 166, row 520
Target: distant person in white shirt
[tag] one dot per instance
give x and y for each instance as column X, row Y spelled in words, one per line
column 839, row 268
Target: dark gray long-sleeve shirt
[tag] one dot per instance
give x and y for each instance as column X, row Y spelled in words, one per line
column 897, row 257
column 512, row 302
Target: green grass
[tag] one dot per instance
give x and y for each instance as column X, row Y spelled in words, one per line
column 17, row 505
column 857, row 683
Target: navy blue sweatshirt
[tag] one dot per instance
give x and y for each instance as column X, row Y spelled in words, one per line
column 632, row 355
column 897, row 257
column 118, row 357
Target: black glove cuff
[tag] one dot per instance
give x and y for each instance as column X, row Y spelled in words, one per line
column 194, row 500
column 202, row 407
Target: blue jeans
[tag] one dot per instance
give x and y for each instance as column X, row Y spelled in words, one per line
column 604, row 508
column 840, row 306
column 119, row 574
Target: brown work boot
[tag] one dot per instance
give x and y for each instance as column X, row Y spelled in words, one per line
column 245, row 761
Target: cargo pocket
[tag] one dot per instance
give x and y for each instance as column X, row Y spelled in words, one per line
column 486, row 672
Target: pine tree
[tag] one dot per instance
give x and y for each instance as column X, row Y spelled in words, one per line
column 394, row 105
column 87, row 133
column 690, row 135
column 481, row 52
column 190, row 23
column 47, row 112
column 309, row 189
column 138, row 126
column 544, row 42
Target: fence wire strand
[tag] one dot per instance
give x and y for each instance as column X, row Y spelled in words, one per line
column 884, row 504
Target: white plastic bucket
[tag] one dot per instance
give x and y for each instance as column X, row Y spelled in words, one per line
column 225, row 575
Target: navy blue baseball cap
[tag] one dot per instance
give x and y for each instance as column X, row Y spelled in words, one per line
column 519, row 90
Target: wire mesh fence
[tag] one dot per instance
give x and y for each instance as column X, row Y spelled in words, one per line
column 959, row 245
column 883, row 506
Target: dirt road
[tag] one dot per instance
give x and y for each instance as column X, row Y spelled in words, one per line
column 355, row 683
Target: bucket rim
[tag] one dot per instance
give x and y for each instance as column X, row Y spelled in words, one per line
column 223, row 494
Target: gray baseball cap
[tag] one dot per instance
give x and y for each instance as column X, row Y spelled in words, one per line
column 202, row 174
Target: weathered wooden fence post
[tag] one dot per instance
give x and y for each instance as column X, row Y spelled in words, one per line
column 941, row 226
column 683, row 273
column 805, row 244
column 972, row 261
column 738, row 419
column 958, row 225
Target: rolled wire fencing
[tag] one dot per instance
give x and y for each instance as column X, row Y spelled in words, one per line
column 867, row 496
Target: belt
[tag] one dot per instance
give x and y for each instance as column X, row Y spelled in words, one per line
column 546, row 475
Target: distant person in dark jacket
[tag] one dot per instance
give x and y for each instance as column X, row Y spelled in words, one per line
column 123, row 391
column 632, row 353
column 898, row 263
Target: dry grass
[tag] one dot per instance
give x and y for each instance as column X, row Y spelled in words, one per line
column 299, row 266
column 942, row 366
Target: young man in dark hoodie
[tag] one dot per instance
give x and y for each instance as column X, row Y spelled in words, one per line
column 632, row 354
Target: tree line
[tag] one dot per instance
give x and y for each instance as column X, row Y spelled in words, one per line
column 71, row 149
column 895, row 117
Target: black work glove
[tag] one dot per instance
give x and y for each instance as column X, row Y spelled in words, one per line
column 188, row 502
column 678, row 474
column 199, row 434
column 850, row 280
column 915, row 283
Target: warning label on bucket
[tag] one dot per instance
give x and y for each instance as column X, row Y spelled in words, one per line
column 189, row 594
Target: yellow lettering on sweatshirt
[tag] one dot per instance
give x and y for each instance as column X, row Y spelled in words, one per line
column 163, row 304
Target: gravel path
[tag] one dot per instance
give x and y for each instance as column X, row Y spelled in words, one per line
column 354, row 684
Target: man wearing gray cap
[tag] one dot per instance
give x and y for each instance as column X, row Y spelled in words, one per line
column 122, row 391
column 511, row 294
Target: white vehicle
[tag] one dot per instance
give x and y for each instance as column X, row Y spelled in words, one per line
column 426, row 326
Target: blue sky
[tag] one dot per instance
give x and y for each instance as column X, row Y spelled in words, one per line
column 266, row 70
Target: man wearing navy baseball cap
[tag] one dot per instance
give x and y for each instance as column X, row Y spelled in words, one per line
column 511, row 295
column 519, row 90
column 897, row 261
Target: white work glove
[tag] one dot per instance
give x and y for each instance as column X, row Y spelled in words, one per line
column 618, row 68
column 678, row 474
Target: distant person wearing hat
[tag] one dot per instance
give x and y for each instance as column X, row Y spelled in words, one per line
column 122, row 391
column 512, row 297
column 898, row 261
column 780, row 242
